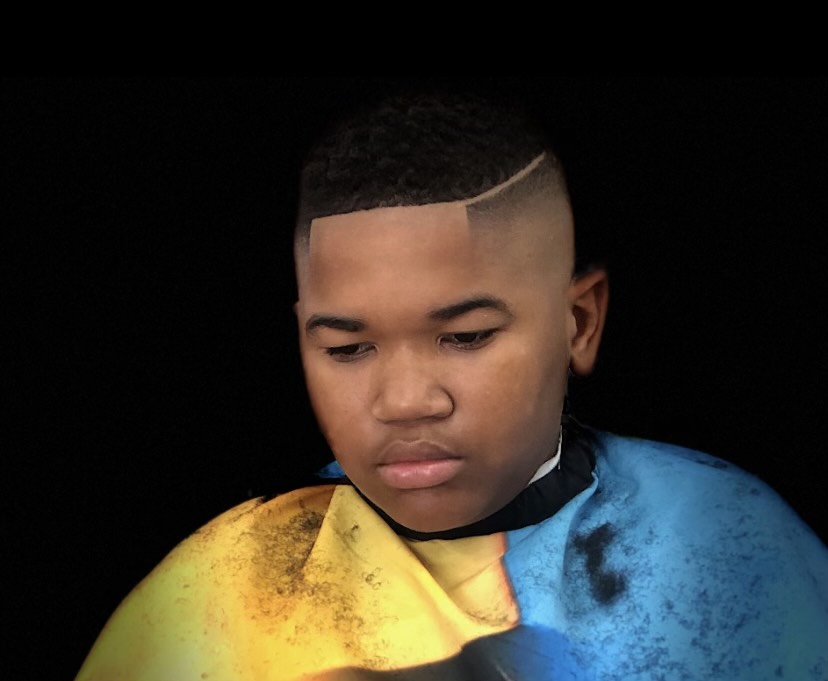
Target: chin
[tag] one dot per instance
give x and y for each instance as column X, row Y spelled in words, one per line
column 422, row 522
column 432, row 522
column 433, row 526
column 428, row 510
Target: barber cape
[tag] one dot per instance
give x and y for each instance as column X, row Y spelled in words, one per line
column 633, row 560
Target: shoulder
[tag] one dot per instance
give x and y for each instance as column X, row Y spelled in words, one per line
column 205, row 586
column 301, row 510
column 698, row 496
column 683, row 470
column 267, row 531
column 657, row 457
column 697, row 543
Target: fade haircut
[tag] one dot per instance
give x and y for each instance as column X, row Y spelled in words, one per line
column 419, row 149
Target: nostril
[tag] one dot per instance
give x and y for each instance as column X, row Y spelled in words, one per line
column 409, row 387
column 435, row 402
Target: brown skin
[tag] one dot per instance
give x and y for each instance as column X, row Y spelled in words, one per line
column 483, row 388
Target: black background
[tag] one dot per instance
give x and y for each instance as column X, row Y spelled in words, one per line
column 152, row 372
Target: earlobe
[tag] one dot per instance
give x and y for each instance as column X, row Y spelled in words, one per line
column 588, row 298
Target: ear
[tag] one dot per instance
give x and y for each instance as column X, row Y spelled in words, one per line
column 588, row 296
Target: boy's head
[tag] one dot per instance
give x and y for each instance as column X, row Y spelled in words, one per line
column 438, row 313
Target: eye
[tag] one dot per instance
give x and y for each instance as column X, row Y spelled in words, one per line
column 470, row 340
column 348, row 353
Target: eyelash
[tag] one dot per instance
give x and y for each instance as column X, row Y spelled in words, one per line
column 478, row 339
column 475, row 340
column 347, row 353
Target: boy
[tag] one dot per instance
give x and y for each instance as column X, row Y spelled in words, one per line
column 471, row 529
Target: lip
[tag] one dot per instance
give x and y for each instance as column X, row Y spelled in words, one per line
column 405, row 451
column 417, row 465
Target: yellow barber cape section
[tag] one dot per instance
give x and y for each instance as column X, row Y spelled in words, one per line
column 300, row 587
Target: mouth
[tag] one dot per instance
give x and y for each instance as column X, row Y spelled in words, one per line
column 417, row 465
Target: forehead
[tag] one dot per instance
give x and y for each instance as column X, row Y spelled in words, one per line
column 382, row 237
column 426, row 255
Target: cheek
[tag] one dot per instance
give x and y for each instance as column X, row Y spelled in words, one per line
column 534, row 362
column 524, row 385
column 336, row 403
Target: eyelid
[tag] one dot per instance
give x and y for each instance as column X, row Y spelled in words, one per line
column 350, row 352
column 483, row 338
column 339, row 352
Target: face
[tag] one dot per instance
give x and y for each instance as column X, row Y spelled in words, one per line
column 436, row 354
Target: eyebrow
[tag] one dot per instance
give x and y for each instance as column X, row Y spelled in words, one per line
column 458, row 309
column 447, row 313
column 317, row 321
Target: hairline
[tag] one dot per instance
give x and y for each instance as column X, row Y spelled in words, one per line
column 543, row 170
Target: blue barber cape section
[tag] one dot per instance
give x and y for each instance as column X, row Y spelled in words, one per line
column 671, row 564
column 676, row 565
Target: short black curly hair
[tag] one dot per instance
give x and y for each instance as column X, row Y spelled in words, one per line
column 417, row 149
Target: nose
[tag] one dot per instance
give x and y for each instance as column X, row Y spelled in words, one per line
column 408, row 388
